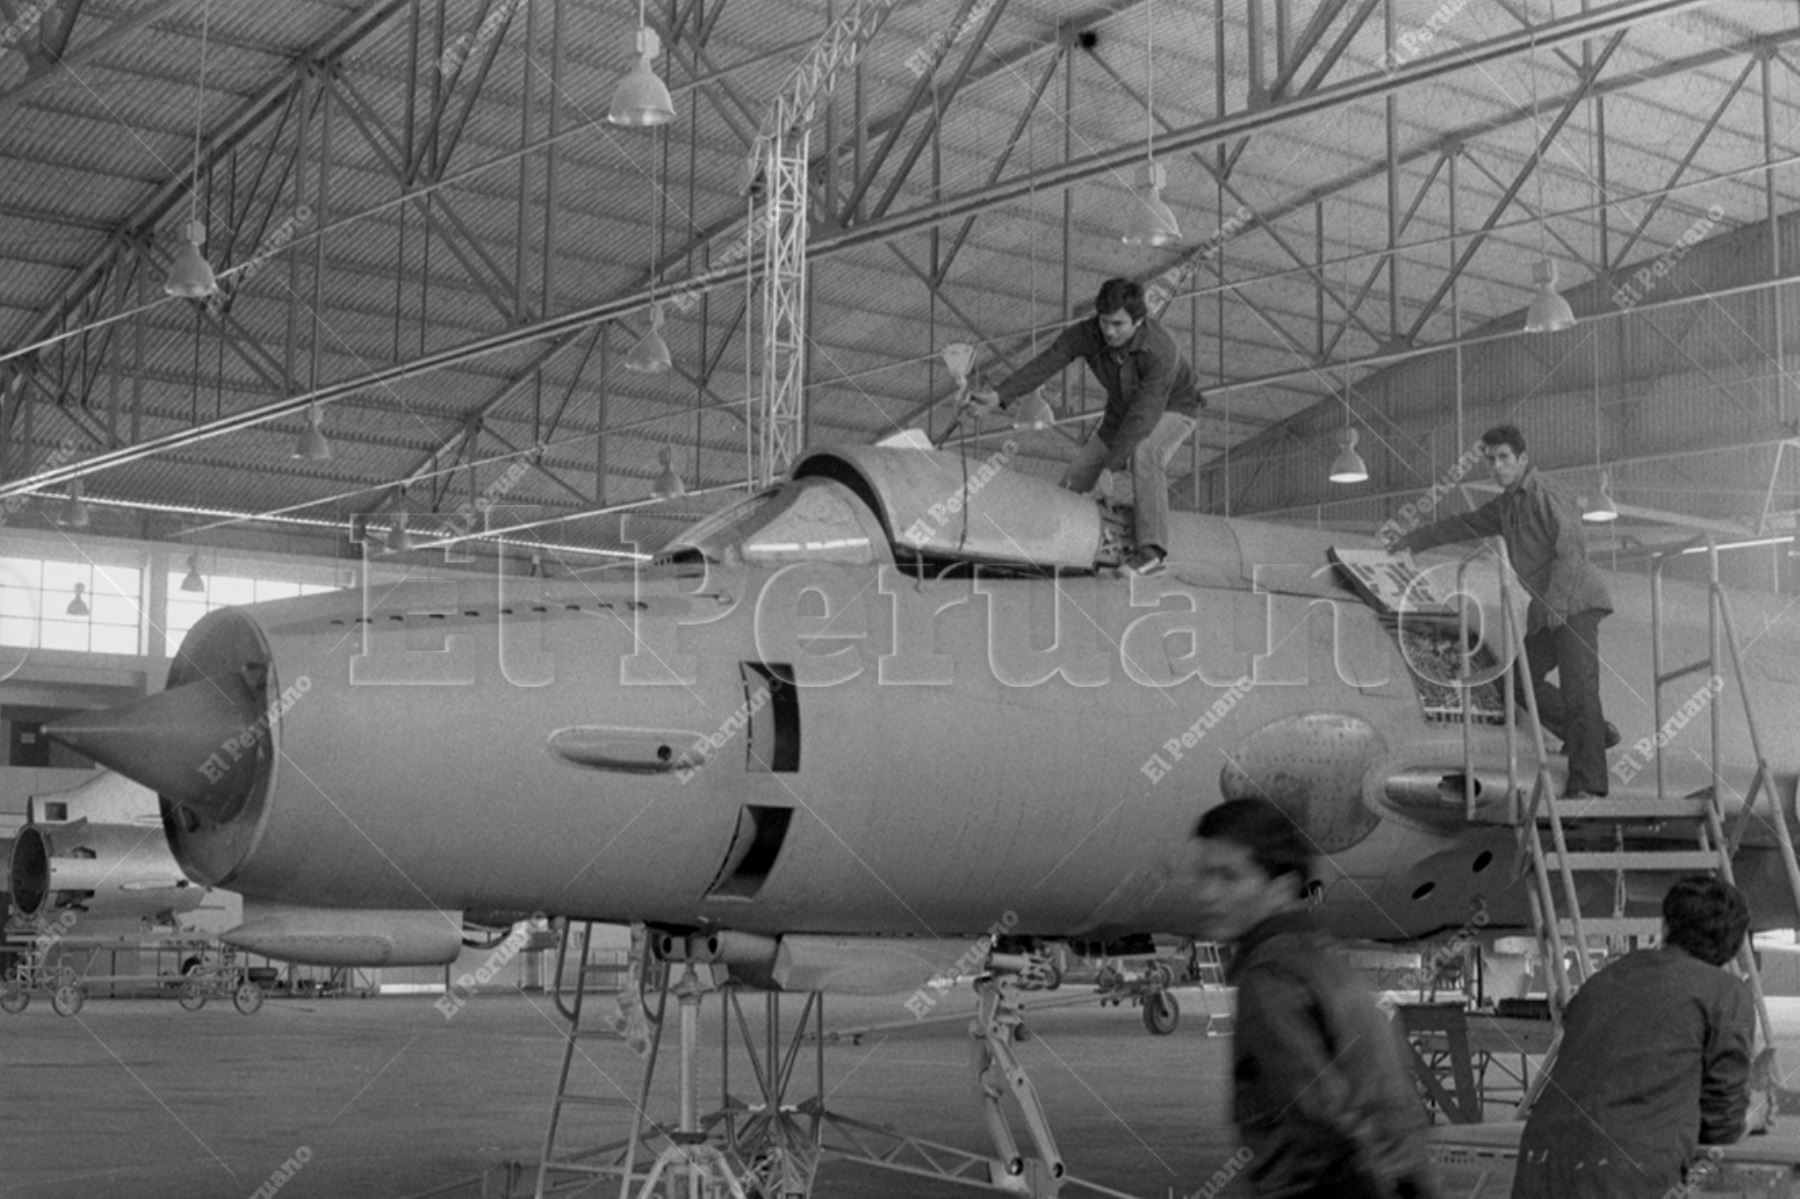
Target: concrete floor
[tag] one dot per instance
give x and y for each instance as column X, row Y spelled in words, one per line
column 388, row 1098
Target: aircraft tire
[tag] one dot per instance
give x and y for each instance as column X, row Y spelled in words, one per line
column 248, row 998
column 193, row 996
column 67, row 999
column 1161, row 1013
column 14, row 998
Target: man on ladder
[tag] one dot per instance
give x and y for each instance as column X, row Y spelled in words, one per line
column 1568, row 599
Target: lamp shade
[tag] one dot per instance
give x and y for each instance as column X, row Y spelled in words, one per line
column 1549, row 312
column 193, row 581
column 399, row 540
column 75, row 512
column 190, row 275
column 1150, row 221
column 641, row 99
column 1348, row 466
column 650, row 356
column 78, row 605
column 668, row 484
column 312, row 444
column 1034, row 413
column 1602, row 511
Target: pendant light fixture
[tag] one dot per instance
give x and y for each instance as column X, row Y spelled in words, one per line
column 668, row 484
column 1034, row 413
column 75, row 512
column 1348, row 466
column 312, row 444
column 1602, row 511
column 190, row 275
column 1548, row 311
column 193, row 582
column 78, row 605
column 650, row 356
column 641, row 99
column 1151, row 223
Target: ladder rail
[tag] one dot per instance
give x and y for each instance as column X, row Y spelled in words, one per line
column 1723, row 648
column 1542, row 787
column 1764, row 779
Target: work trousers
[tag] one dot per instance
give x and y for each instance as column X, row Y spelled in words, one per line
column 1149, row 476
column 1571, row 710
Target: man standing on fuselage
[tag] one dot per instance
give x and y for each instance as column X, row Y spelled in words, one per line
column 1151, row 402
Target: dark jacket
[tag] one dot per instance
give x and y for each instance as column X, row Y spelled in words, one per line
column 1321, row 1092
column 1143, row 379
column 1655, row 1062
column 1543, row 538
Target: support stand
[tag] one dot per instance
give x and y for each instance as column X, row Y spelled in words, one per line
column 997, row 1071
column 772, row 1147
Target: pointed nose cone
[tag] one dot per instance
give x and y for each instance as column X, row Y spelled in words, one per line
column 196, row 745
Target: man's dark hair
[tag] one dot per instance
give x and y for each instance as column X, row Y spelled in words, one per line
column 1121, row 293
column 1275, row 842
column 1706, row 916
column 1504, row 435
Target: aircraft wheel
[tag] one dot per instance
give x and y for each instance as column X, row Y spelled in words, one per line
column 14, row 998
column 67, row 999
column 1161, row 1013
column 1108, row 978
column 248, row 998
column 1055, row 980
column 193, row 995
column 1162, row 973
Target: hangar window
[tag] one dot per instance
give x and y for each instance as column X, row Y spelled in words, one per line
column 36, row 594
column 187, row 607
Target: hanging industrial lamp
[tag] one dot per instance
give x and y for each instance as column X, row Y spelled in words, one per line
column 1549, row 312
column 1602, row 510
column 1151, row 222
column 78, row 606
column 1348, row 466
column 650, row 356
column 75, row 512
column 312, row 444
column 190, row 275
column 1034, row 413
column 641, row 99
column 668, row 484
column 193, row 581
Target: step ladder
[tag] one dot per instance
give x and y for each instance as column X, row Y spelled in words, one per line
column 1544, row 822
column 570, row 986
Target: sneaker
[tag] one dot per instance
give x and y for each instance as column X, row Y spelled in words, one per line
column 1145, row 565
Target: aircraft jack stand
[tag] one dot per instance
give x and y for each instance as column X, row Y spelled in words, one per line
column 997, row 1071
column 772, row 1148
column 691, row 1153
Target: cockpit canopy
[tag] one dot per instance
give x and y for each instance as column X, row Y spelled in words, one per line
column 807, row 520
column 918, row 507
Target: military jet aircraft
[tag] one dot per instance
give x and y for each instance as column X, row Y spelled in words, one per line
column 899, row 699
